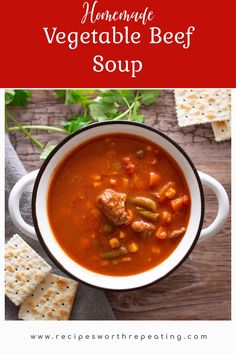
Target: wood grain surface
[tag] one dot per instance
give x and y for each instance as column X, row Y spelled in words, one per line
column 200, row 288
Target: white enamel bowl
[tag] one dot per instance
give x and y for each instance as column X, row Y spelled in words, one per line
column 42, row 230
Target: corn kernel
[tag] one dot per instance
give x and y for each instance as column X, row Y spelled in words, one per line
column 122, row 234
column 133, row 247
column 170, row 193
column 114, row 242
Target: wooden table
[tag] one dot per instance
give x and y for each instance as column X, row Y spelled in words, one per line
column 200, row 288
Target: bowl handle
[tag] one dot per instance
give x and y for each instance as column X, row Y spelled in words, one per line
column 223, row 206
column 14, row 204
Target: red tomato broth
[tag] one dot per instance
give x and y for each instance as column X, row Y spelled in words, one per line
column 78, row 224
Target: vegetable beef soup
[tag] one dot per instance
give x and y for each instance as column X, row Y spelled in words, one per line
column 118, row 205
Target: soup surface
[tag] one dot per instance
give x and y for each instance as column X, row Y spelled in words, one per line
column 118, row 205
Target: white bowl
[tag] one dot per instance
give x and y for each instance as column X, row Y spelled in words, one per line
column 57, row 254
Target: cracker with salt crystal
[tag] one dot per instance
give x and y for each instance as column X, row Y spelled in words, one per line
column 222, row 130
column 52, row 300
column 202, row 106
column 24, row 270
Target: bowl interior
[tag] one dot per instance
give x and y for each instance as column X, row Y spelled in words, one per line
column 105, row 281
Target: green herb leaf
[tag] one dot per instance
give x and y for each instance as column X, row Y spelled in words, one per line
column 97, row 112
column 110, row 97
column 9, row 96
column 19, row 98
column 93, row 105
column 76, row 122
column 82, row 97
column 149, row 96
column 59, row 93
column 138, row 118
column 102, row 111
column 46, row 151
column 128, row 95
column 116, row 96
column 137, row 105
column 136, row 115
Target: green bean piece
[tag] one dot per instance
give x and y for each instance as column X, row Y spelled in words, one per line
column 117, row 166
column 148, row 215
column 144, row 202
column 107, row 229
column 139, row 154
column 114, row 253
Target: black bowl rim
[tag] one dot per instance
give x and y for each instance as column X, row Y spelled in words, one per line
column 81, row 131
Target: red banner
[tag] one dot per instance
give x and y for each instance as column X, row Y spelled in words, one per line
column 145, row 43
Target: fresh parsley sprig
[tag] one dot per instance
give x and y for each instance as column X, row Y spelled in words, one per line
column 93, row 106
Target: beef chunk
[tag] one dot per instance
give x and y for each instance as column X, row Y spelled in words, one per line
column 113, row 206
column 176, row 233
column 142, row 226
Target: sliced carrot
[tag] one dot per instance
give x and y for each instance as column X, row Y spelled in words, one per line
column 154, row 179
column 161, row 194
column 178, row 203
